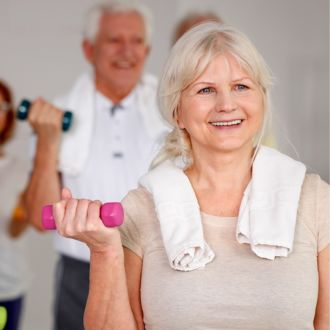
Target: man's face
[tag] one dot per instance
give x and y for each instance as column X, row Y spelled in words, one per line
column 118, row 52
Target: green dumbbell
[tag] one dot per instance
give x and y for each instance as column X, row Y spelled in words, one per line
column 3, row 317
column 23, row 111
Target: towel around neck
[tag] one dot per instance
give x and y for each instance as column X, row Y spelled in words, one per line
column 267, row 215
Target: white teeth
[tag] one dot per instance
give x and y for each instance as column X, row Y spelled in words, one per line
column 227, row 123
column 124, row 65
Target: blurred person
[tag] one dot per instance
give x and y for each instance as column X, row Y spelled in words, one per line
column 222, row 232
column 111, row 144
column 14, row 272
column 191, row 19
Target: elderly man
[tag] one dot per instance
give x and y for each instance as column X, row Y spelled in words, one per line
column 111, row 143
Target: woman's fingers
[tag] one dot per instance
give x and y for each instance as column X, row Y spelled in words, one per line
column 80, row 219
column 81, row 216
column 76, row 217
column 59, row 212
column 93, row 216
column 67, row 225
column 66, row 193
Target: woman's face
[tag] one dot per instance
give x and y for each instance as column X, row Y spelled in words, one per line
column 3, row 113
column 222, row 110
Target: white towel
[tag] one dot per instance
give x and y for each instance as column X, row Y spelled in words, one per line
column 268, row 211
column 76, row 141
column 81, row 101
column 179, row 216
column 266, row 219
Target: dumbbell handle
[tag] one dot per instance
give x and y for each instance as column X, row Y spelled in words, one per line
column 23, row 111
column 111, row 214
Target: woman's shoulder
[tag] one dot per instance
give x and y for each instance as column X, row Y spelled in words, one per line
column 138, row 197
column 314, row 208
column 314, row 185
column 139, row 206
column 313, row 192
column 139, row 220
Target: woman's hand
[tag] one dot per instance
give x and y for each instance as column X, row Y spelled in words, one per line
column 80, row 219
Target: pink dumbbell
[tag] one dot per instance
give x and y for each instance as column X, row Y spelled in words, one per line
column 111, row 214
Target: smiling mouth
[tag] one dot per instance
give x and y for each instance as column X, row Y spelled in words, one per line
column 229, row 123
column 124, row 65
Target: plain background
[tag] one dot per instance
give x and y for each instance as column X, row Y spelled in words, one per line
column 40, row 55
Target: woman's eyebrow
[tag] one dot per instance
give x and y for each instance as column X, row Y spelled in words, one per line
column 242, row 78
column 203, row 82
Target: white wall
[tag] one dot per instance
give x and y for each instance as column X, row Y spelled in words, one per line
column 40, row 56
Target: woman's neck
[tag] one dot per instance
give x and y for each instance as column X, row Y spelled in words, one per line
column 232, row 169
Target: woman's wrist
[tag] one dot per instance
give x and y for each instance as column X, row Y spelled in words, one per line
column 112, row 251
column 115, row 256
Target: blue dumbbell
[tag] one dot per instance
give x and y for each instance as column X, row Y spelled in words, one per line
column 23, row 111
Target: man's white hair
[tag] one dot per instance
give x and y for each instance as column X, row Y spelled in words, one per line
column 92, row 19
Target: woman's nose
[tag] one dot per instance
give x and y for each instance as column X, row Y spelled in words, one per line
column 225, row 101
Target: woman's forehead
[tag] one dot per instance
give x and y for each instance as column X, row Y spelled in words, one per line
column 224, row 64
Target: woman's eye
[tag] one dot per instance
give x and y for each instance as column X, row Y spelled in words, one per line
column 206, row 90
column 241, row 87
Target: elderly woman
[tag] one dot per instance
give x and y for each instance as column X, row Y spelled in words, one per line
column 222, row 233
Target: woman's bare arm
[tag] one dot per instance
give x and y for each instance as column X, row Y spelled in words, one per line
column 322, row 315
column 108, row 306
column 133, row 267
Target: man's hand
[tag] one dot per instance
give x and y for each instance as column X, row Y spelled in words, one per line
column 46, row 120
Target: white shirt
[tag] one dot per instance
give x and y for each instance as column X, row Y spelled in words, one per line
column 120, row 152
column 14, row 273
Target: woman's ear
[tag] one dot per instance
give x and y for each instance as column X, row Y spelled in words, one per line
column 177, row 118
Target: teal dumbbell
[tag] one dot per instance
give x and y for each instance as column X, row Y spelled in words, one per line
column 23, row 111
column 3, row 317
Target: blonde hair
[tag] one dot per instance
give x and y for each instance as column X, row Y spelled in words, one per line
column 92, row 19
column 188, row 59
